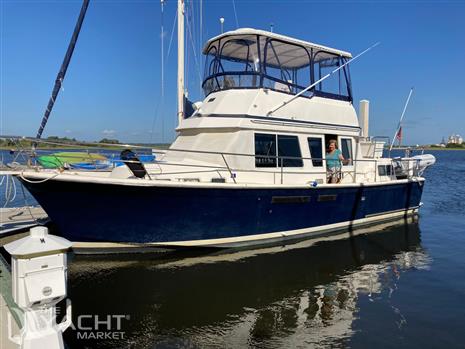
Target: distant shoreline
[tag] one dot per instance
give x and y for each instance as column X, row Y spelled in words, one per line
column 440, row 148
column 413, row 148
column 75, row 147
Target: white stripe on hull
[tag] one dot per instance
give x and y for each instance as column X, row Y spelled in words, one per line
column 239, row 241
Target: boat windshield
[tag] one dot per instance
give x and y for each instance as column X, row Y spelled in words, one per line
column 256, row 61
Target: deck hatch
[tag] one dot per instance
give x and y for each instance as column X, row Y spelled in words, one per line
column 290, row 199
column 322, row 198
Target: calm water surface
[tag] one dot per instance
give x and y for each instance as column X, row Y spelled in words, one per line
column 398, row 285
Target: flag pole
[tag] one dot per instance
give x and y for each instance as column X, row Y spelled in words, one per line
column 399, row 126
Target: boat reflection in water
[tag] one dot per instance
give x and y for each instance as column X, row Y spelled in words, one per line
column 304, row 294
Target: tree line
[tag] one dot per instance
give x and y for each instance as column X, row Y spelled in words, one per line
column 10, row 142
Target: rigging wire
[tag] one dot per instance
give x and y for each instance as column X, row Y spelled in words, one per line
column 186, row 52
column 164, row 57
column 192, row 16
column 154, row 121
column 235, row 13
column 1, row 67
column 162, row 75
column 200, row 42
column 197, row 65
column 193, row 31
column 162, row 34
column 172, row 34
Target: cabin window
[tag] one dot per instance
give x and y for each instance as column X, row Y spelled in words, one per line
column 287, row 67
column 316, row 151
column 385, row 170
column 288, row 151
column 252, row 61
column 389, row 170
column 230, row 64
column 346, row 148
column 382, row 170
column 235, row 64
column 288, row 148
column 211, row 66
column 265, row 150
column 336, row 86
column 277, row 77
column 211, row 62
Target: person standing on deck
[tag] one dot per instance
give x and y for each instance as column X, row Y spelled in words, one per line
column 334, row 160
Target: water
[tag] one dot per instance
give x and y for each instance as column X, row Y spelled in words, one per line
column 402, row 285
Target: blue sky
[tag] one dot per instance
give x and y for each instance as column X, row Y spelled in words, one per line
column 112, row 88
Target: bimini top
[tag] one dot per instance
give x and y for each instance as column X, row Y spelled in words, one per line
column 284, row 46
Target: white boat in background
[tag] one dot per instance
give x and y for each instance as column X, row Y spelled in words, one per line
column 249, row 165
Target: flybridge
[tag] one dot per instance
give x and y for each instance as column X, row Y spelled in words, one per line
column 250, row 58
column 283, row 38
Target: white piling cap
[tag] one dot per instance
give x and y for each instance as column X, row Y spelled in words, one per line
column 38, row 243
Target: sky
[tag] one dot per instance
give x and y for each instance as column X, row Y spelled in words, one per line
column 113, row 85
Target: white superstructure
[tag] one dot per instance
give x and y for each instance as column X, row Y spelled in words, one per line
column 248, row 72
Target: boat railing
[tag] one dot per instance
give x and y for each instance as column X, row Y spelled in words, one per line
column 344, row 169
column 254, row 80
column 28, row 157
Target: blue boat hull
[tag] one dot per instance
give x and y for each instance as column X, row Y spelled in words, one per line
column 88, row 212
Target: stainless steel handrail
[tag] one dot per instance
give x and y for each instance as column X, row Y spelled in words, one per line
column 279, row 159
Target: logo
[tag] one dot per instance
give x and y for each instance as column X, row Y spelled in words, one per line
column 100, row 327
column 47, row 291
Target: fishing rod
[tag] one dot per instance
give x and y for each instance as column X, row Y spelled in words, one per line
column 62, row 72
column 321, row 80
column 401, row 118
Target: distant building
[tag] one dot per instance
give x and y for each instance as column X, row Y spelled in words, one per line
column 455, row 139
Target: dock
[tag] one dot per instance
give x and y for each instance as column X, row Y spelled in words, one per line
column 17, row 219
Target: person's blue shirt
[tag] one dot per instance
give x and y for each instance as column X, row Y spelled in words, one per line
column 332, row 159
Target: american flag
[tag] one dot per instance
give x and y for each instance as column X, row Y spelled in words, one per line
column 399, row 134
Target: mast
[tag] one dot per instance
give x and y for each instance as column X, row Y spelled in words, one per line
column 180, row 61
column 64, row 67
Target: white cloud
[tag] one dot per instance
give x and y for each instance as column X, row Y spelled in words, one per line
column 109, row 132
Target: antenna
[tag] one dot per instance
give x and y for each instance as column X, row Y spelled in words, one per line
column 222, row 24
column 235, row 14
